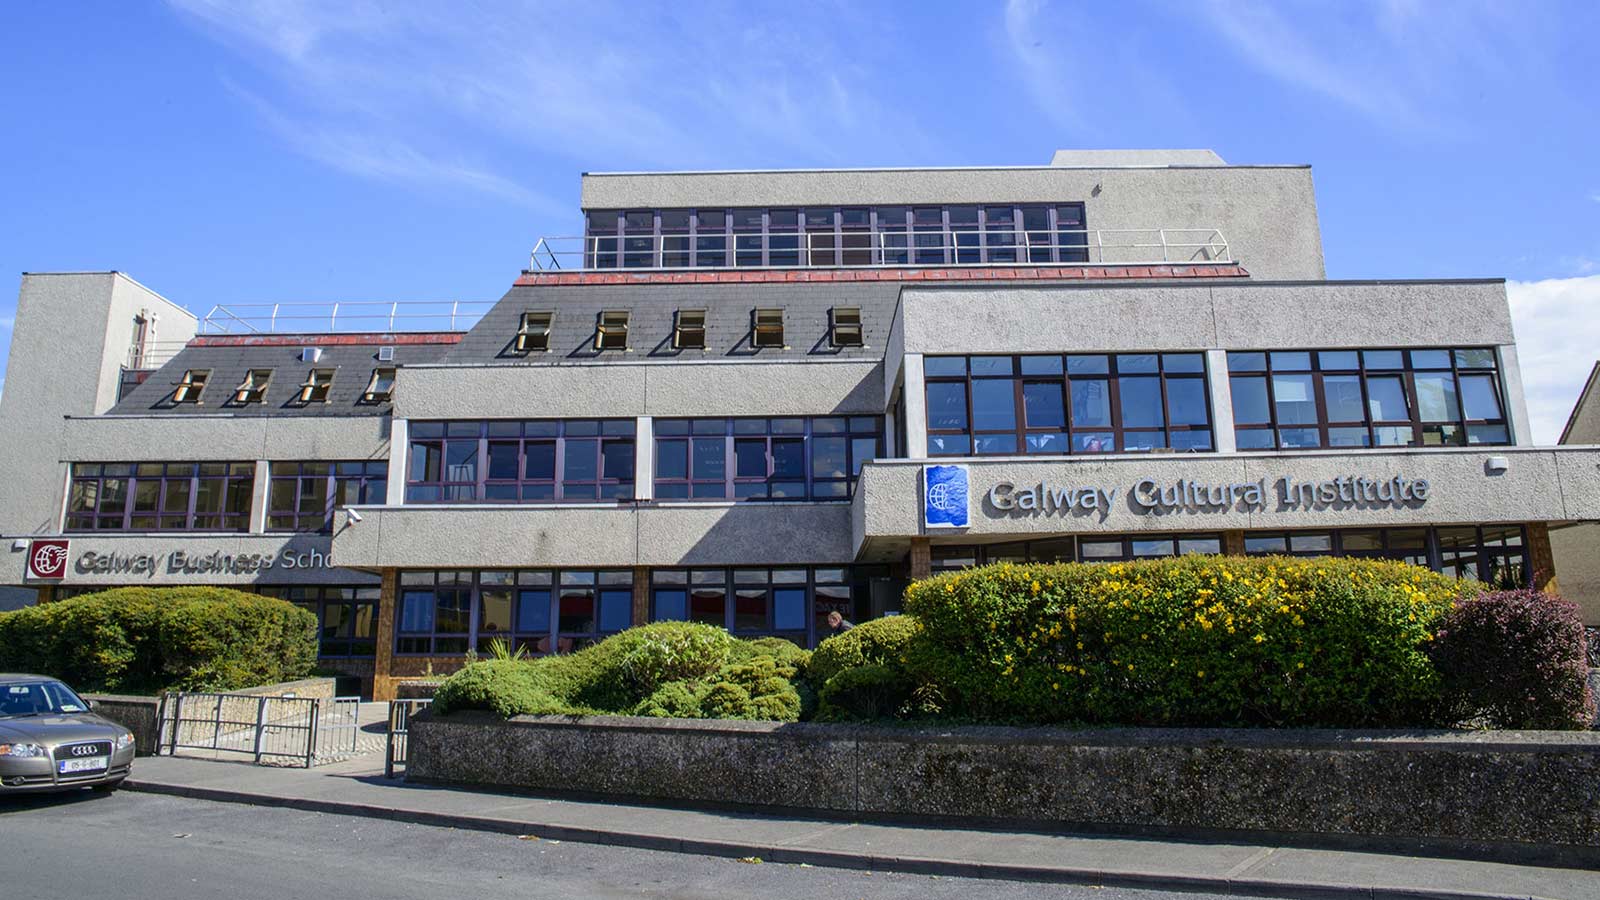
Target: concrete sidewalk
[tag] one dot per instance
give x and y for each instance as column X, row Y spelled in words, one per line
column 357, row 787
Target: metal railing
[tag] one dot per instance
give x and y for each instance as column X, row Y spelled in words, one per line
column 301, row 730
column 400, row 713
column 876, row 248
column 358, row 316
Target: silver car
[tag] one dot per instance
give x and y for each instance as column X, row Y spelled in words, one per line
column 51, row 741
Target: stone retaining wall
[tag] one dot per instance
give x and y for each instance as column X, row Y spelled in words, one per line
column 140, row 715
column 1535, row 789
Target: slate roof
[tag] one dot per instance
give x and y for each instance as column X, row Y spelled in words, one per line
column 651, row 310
column 352, row 365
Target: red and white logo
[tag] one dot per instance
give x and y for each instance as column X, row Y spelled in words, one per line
column 47, row 559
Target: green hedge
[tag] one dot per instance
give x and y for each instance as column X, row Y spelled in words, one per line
column 1216, row 641
column 677, row 669
column 144, row 640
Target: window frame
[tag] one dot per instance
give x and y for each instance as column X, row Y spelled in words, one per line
column 564, row 435
column 694, row 330
column 370, row 478
column 191, row 388
column 1070, row 431
column 767, row 328
column 373, row 394
column 733, row 431
column 1407, row 374
column 604, row 584
column 533, row 331
column 249, row 391
column 845, row 328
column 235, row 482
column 611, row 330
column 359, row 607
column 318, row 386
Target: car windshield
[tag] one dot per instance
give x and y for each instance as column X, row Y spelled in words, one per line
column 38, row 698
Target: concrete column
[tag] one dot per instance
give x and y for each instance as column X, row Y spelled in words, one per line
column 1516, row 403
column 383, row 677
column 641, row 595
column 1233, row 543
column 921, row 558
column 644, row 461
column 1542, row 557
column 916, row 408
column 258, row 498
column 399, row 446
column 890, row 451
column 1221, row 401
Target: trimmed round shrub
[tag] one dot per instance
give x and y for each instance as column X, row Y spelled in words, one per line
column 877, row 642
column 505, row 687
column 652, row 655
column 725, row 700
column 1199, row 640
column 1516, row 659
column 865, row 692
column 144, row 640
column 677, row 700
column 786, row 652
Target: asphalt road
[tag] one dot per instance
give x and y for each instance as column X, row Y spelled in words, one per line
column 126, row 845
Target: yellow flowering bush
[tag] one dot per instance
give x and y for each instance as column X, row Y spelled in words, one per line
column 1200, row 640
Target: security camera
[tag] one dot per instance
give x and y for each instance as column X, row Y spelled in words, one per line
column 354, row 516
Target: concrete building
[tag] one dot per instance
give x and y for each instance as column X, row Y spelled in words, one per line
column 1577, row 546
column 751, row 398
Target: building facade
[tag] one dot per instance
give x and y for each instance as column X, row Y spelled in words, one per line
column 1576, row 545
column 752, row 398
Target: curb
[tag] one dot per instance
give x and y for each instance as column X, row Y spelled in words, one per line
column 950, row 868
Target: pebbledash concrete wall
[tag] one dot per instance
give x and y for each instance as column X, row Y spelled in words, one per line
column 1516, row 790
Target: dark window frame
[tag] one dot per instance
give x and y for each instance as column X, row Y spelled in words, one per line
column 608, row 436
column 235, row 481
column 683, row 434
column 369, row 479
column 1481, row 553
column 947, row 557
column 1407, row 374
column 358, row 608
column 603, row 585
column 1070, row 432
column 842, row 588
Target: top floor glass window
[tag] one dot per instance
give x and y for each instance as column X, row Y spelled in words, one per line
column 836, row 236
column 1078, row 403
column 794, row 458
column 1303, row 399
column 512, row 461
column 211, row 496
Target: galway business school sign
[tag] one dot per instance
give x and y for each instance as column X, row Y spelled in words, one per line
column 946, row 490
column 48, row 561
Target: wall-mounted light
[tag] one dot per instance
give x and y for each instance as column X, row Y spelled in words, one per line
column 1496, row 465
column 19, row 544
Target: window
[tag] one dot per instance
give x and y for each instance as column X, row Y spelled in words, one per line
column 612, row 332
column 302, row 496
column 689, row 330
column 1080, row 403
column 191, row 386
column 763, row 459
column 1107, row 548
column 510, row 461
column 347, row 616
column 836, row 236
column 845, row 330
column 789, row 602
column 254, row 387
column 316, row 386
column 534, row 332
column 160, row 497
column 380, row 389
column 767, row 328
column 1494, row 554
column 1302, row 399
column 541, row 610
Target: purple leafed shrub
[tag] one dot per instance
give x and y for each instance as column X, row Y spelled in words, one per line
column 1516, row 659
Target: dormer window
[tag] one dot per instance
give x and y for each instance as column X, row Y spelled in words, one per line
column 689, row 331
column 767, row 328
column 381, row 388
column 534, row 333
column 191, row 386
column 317, row 385
column 612, row 332
column 845, row 330
column 254, row 387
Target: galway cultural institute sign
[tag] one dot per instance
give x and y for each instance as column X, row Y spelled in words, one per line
column 1150, row 495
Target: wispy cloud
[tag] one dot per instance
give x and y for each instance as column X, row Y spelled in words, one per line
column 1558, row 341
column 472, row 96
column 1041, row 65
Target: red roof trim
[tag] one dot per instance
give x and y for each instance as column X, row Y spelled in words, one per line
column 963, row 273
column 324, row 340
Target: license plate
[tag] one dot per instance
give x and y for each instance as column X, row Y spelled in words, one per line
column 87, row 764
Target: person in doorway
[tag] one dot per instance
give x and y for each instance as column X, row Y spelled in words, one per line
column 838, row 624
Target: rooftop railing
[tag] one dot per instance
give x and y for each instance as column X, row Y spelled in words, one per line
column 883, row 248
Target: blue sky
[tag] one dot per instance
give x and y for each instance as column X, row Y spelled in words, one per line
column 242, row 152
